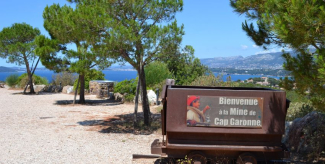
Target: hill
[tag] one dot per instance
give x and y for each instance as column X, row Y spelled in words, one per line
column 6, row 69
column 265, row 61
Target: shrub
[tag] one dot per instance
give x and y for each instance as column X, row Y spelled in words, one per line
column 65, row 78
column 298, row 110
column 37, row 80
column 129, row 97
column 156, row 72
column 207, row 80
column 126, row 86
column 12, row 80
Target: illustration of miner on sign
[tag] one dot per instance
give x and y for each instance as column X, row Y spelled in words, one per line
column 194, row 114
column 224, row 111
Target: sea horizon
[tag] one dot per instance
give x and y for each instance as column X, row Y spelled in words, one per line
column 120, row 75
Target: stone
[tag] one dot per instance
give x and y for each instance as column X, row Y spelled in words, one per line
column 53, row 88
column 70, row 90
column 306, row 135
column 119, row 97
column 39, row 88
column 152, row 97
column 65, row 88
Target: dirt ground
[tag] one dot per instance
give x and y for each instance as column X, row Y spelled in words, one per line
column 48, row 128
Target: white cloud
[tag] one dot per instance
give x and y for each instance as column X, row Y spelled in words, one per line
column 273, row 50
column 244, row 47
column 255, row 46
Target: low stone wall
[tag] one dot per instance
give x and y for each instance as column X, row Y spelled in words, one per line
column 101, row 88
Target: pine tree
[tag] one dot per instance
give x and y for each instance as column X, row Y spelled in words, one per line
column 298, row 25
column 132, row 31
column 71, row 26
column 17, row 46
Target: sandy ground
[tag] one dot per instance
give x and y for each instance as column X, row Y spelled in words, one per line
column 36, row 129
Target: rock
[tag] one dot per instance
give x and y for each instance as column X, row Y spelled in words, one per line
column 39, row 88
column 58, row 89
column 119, row 97
column 286, row 133
column 53, row 88
column 152, row 97
column 66, row 88
column 70, row 90
column 307, row 135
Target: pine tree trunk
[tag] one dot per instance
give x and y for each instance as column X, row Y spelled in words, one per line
column 76, row 91
column 31, row 87
column 82, row 90
column 144, row 96
column 30, row 80
column 136, row 104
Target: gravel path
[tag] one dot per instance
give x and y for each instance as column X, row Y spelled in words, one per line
column 35, row 129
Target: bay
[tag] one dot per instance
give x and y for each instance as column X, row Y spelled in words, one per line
column 126, row 75
column 235, row 77
column 109, row 75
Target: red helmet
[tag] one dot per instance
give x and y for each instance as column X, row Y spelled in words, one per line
column 190, row 99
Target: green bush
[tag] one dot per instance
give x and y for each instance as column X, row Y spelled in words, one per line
column 129, row 97
column 37, row 80
column 12, row 80
column 298, row 110
column 65, row 78
column 91, row 75
column 156, row 72
column 126, row 86
column 207, row 80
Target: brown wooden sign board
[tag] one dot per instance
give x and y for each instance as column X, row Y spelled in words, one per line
column 224, row 111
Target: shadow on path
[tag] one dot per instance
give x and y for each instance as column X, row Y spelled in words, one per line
column 123, row 124
column 105, row 102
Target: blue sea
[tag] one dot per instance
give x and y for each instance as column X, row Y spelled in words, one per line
column 123, row 75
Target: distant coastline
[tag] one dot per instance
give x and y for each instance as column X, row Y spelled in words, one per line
column 126, row 73
column 120, row 75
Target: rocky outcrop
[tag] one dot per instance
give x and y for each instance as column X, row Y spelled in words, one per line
column 39, row 88
column 53, row 88
column 67, row 89
column 119, row 97
column 152, row 97
column 306, row 135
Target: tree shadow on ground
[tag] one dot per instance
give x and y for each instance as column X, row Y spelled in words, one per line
column 103, row 102
column 124, row 124
column 21, row 92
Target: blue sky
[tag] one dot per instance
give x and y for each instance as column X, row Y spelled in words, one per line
column 211, row 26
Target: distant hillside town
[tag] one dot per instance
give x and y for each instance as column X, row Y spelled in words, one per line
column 259, row 61
column 261, row 64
